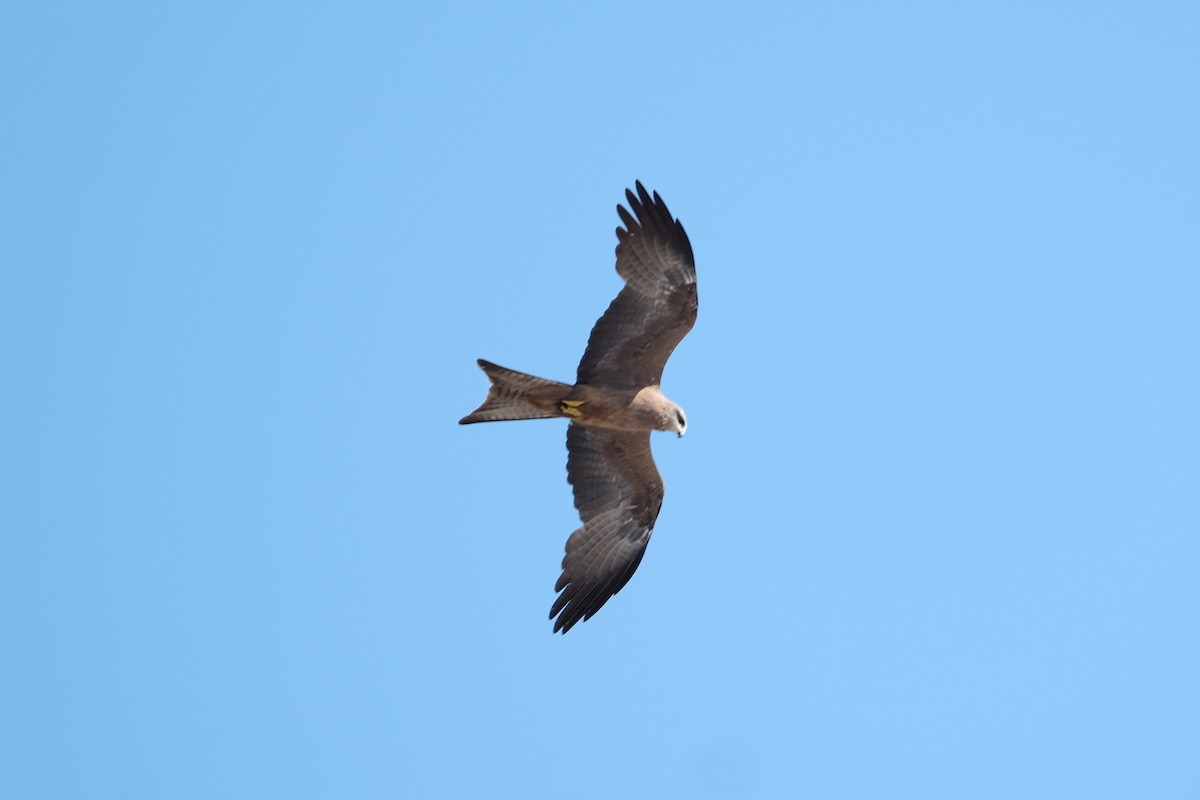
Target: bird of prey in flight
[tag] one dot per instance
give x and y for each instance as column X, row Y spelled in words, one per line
column 612, row 407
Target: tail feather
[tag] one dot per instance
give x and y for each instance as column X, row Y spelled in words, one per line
column 515, row 395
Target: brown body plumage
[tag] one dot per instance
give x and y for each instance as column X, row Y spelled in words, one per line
column 516, row 395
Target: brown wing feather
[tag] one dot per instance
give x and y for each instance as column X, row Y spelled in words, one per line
column 631, row 342
column 618, row 492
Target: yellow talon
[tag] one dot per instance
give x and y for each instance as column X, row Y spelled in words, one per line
column 571, row 407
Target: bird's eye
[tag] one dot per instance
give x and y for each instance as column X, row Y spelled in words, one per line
column 679, row 418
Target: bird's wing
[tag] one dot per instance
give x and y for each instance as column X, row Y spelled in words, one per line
column 632, row 341
column 618, row 492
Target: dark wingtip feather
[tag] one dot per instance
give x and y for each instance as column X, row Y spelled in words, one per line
column 630, row 197
column 631, row 223
column 566, row 610
column 649, row 212
column 644, row 195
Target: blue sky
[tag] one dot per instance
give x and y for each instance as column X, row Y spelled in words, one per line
column 933, row 532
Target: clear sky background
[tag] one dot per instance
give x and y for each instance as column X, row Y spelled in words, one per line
column 934, row 531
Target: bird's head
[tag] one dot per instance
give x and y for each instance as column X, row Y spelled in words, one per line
column 658, row 413
column 677, row 421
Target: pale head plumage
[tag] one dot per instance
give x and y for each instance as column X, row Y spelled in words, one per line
column 680, row 421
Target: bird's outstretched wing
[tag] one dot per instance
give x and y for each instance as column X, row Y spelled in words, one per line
column 632, row 341
column 618, row 492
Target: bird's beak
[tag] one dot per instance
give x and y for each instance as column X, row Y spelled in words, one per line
column 680, row 434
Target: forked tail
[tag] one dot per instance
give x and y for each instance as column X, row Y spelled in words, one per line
column 515, row 395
